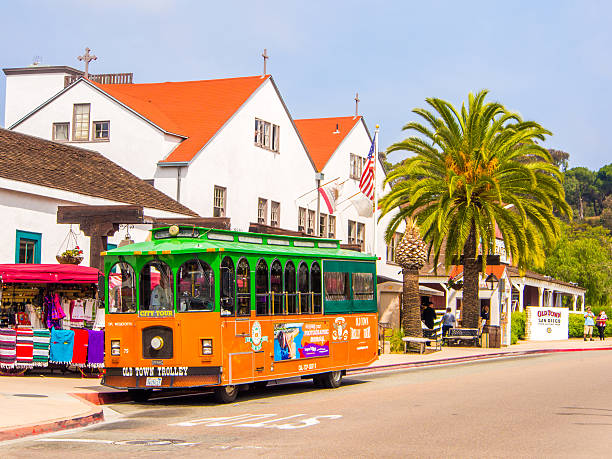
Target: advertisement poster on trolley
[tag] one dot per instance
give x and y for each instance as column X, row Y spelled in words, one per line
column 293, row 341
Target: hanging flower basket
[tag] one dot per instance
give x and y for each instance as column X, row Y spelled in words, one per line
column 70, row 257
column 70, row 253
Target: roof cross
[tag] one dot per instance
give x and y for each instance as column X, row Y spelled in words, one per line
column 87, row 58
column 265, row 58
column 357, row 100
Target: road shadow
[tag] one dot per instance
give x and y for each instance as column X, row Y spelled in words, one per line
column 247, row 393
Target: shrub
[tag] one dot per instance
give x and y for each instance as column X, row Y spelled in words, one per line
column 576, row 325
column 518, row 325
column 397, row 345
column 513, row 337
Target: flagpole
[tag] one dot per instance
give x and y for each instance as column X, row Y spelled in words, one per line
column 375, row 190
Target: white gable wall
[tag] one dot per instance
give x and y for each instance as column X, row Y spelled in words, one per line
column 248, row 172
column 134, row 143
column 26, row 92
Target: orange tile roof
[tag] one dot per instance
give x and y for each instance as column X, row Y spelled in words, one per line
column 497, row 270
column 319, row 136
column 193, row 109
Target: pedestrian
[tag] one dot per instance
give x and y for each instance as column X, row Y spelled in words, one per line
column 601, row 324
column 428, row 315
column 589, row 322
column 448, row 321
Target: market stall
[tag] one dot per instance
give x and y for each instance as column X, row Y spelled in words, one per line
column 50, row 314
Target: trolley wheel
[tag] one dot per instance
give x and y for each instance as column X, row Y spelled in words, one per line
column 226, row 394
column 332, row 379
column 140, row 395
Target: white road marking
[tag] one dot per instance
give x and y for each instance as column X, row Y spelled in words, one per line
column 76, row 440
column 246, row 420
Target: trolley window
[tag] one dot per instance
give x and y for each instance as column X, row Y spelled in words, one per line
column 243, row 288
column 290, row 288
column 276, row 288
column 363, row 286
column 315, row 287
column 156, row 293
column 261, row 288
column 227, row 287
column 196, row 286
column 303, row 286
column 337, row 286
column 121, row 288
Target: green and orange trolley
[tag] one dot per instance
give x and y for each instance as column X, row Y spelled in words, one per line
column 198, row 307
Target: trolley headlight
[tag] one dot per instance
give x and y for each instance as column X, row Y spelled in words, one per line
column 115, row 347
column 157, row 343
column 207, row 347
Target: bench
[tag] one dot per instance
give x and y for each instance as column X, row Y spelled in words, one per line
column 412, row 339
column 457, row 335
column 433, row 335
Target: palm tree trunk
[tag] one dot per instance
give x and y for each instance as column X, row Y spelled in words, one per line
column 471, row 268
column 411, row 304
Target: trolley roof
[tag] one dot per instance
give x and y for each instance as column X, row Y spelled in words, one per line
column 182, row 239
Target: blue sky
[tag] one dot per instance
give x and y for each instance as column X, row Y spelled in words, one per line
column 548, row 60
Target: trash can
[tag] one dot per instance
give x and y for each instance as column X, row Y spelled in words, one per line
column 494, row 333
column 484, row 340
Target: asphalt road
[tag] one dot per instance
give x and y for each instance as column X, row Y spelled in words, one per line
column 556, row 405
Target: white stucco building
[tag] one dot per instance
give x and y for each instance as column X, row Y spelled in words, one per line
column 226, row 147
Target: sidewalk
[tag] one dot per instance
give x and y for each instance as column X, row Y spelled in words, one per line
column 35, row 404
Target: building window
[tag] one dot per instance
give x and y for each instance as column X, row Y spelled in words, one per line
column 219, row 202
column 267, row 135
column 27, row 247
column 392, row 247
column 361, row 236
column 322, row 224
column 80, row 122
column 356, row 168
column 311, row 220
column 101, row 130
column 356, row 234
column 262, row 211
column 275, row 213
column 60, row 132
column 332, row 227
column 301, row 219
column 352, row 232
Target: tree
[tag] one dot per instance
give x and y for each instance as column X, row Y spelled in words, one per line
column 560, row 158
column 581, row 187
column 411, row 255
column 584, row 255
column 474, row 170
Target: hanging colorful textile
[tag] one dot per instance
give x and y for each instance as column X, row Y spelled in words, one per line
column 99, row 322
column 60, row 350
column 42, row 339
column 25, row 347
column 95, row 349
column 79, row 350
column 54, row 310
column 8, row 347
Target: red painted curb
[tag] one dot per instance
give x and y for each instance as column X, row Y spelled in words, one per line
column 103, row 398
column 81, row 421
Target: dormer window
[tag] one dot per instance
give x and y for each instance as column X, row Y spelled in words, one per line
column 101, row 130
column 60, row 132
column 80, row 122
column 267, row 135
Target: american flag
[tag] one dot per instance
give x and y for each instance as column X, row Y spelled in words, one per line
column 366, row 184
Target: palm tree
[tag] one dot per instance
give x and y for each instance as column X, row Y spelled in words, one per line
column 474, row 170
column 411, row 255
